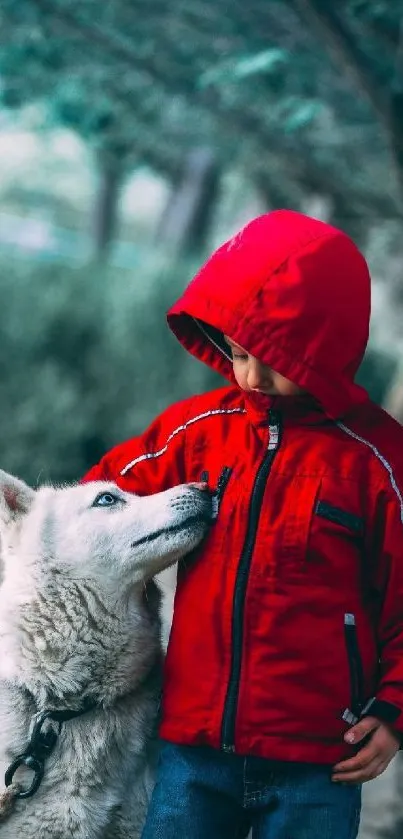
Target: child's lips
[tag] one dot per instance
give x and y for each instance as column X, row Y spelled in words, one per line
column 265, row 392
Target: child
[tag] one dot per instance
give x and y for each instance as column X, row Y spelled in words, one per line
column 283, row 683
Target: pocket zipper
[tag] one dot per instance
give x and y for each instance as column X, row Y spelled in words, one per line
column 351, row 715
column 335, row 514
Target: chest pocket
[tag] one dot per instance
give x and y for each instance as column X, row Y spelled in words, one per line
column 350, row 521
column 323, row 534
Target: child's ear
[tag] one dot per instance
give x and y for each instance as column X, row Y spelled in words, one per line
column 16, row 498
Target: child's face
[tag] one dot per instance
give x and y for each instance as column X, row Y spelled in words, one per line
column 252, row 375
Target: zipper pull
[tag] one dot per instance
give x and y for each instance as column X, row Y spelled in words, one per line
column 349, row 717
column 274, row 430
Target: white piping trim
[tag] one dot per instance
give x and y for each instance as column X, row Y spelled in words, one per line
column 380, row 457
column 177, row 430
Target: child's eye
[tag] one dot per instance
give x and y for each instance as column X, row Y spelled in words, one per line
column 239, row 356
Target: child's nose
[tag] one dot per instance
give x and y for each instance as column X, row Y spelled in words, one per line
column 257, row 374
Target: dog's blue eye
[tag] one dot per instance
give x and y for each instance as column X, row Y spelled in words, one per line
column 105, row 499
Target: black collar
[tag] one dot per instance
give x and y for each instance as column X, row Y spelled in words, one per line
column 41, row 745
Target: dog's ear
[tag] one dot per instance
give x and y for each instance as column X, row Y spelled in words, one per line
column 16, row 498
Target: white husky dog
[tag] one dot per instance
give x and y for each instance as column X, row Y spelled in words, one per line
column 80, row 632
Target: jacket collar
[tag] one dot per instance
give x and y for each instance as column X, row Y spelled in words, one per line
column 293, row 410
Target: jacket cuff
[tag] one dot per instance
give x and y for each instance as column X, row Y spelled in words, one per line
column 387, row 712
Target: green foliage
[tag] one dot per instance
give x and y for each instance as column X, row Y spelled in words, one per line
column 293, row 90
column 377, row 373
column 300, row 114
column 87, row 360
column 266, row 61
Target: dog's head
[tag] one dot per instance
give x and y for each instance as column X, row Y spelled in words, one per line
column 73, row 603
column 97, row 530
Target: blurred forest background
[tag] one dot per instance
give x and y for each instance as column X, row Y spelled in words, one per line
column 135, row 136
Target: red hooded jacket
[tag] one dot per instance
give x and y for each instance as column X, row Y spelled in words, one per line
column 288, row 623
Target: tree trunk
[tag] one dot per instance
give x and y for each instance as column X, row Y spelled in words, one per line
column 106, row 207
column 186, row 219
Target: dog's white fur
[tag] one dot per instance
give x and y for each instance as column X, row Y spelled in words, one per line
column 79, row 620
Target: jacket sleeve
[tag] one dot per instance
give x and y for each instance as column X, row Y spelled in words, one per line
column 388, row 583
column 153, row 461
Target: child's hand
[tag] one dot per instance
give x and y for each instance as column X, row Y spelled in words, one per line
column 373, row 758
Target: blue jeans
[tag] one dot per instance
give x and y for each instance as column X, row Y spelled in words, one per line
column 202, row 793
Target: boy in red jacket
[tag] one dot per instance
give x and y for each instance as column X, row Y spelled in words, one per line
column 283, row 686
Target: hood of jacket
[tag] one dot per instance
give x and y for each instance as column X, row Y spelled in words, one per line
column 295, row 293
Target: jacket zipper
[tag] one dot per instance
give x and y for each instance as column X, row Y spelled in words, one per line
column 352, row 714
column 241, row 582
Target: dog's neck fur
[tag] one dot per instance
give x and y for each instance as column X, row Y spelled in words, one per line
column 53, row 641
column 126, row 698
column 127, row 731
